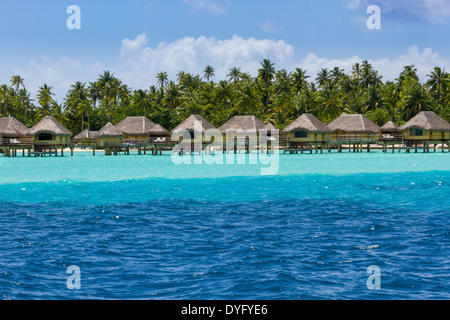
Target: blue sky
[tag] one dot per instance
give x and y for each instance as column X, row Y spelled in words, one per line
column 136, row 39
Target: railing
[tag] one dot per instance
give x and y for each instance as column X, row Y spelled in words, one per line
column 17, row 141
column 84, row 142
column 354, row 138
column 134, row 142
column 391, row 137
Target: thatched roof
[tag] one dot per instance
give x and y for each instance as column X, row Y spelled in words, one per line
column 140, row 126
column 427, row 120
column 353, row 123
column 193, row 122
column 11, row 127
column 86, row 135
column 109, row 130
column 309, row 123
column 391, row 126
column 49, row 125
column 269, row 127
column 245, row 123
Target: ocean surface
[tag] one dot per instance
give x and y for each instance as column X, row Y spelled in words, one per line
column 143, row 227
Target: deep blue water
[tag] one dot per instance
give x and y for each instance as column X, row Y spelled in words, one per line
column 245, row 237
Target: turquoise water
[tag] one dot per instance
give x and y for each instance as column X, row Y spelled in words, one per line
column 142, row 227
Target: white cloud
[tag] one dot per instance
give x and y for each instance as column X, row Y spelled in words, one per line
column 141, row 63
column 217, row 7
column 389, row 68
column 59, row 74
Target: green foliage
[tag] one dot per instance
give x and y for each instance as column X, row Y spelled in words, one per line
column 275, row 96
column 379, row 116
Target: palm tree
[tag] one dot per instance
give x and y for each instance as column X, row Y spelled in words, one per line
column 23, row 102
column 322, row 77
column 44, row 99
column 299, row 79
column 16, row 82
column 162, row 78
column 356, row 71
column 438, row 82
column 234, row 74
column 94, row 92
column 267, row 71
column 6, row 100
column 336, row 74
column 141, row 101
column 330, row 102
column 208, row 72
column 248, row 100
column 417, row 99
column 374, row 99
column 284, row 104
column 172, row 96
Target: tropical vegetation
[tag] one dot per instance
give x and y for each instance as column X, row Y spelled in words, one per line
column 274, row 96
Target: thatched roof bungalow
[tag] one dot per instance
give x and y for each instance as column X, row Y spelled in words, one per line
column 354, row 128
column 194, row 125
column 390, row 132
column 109, row 136
column 86, row 135
column 426, row 125
column 307, row 129
column 12, row 131
column 50, row 131
column 141, row 128
column 242, row 123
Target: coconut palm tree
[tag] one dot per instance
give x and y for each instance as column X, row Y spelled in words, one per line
column 172, row 96
column 299, row 79
column 330, row 103
column 6, row 100
column 267, row 71
column 141, row 101
column 438, row 82
column 322, row 77
column 44, row 96
column 16, row 82
column 417, row 99
column 162, row 78
column 24, row 103
column 208, row 72
column 234, row 74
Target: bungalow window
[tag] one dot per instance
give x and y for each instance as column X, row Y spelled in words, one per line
column 301, row 134
column 416, row 132
column 44, row 137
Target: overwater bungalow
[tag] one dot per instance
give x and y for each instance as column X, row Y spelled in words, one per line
column 390, row 135
column 110, row 139
column 142, row 131
column 49, row 135
column 85, row 138
column 192, row 134
column 425, row 129
column 13, row 137
column 271, row 134
column 354, row 131
column 306, row 133
column 241, row 132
